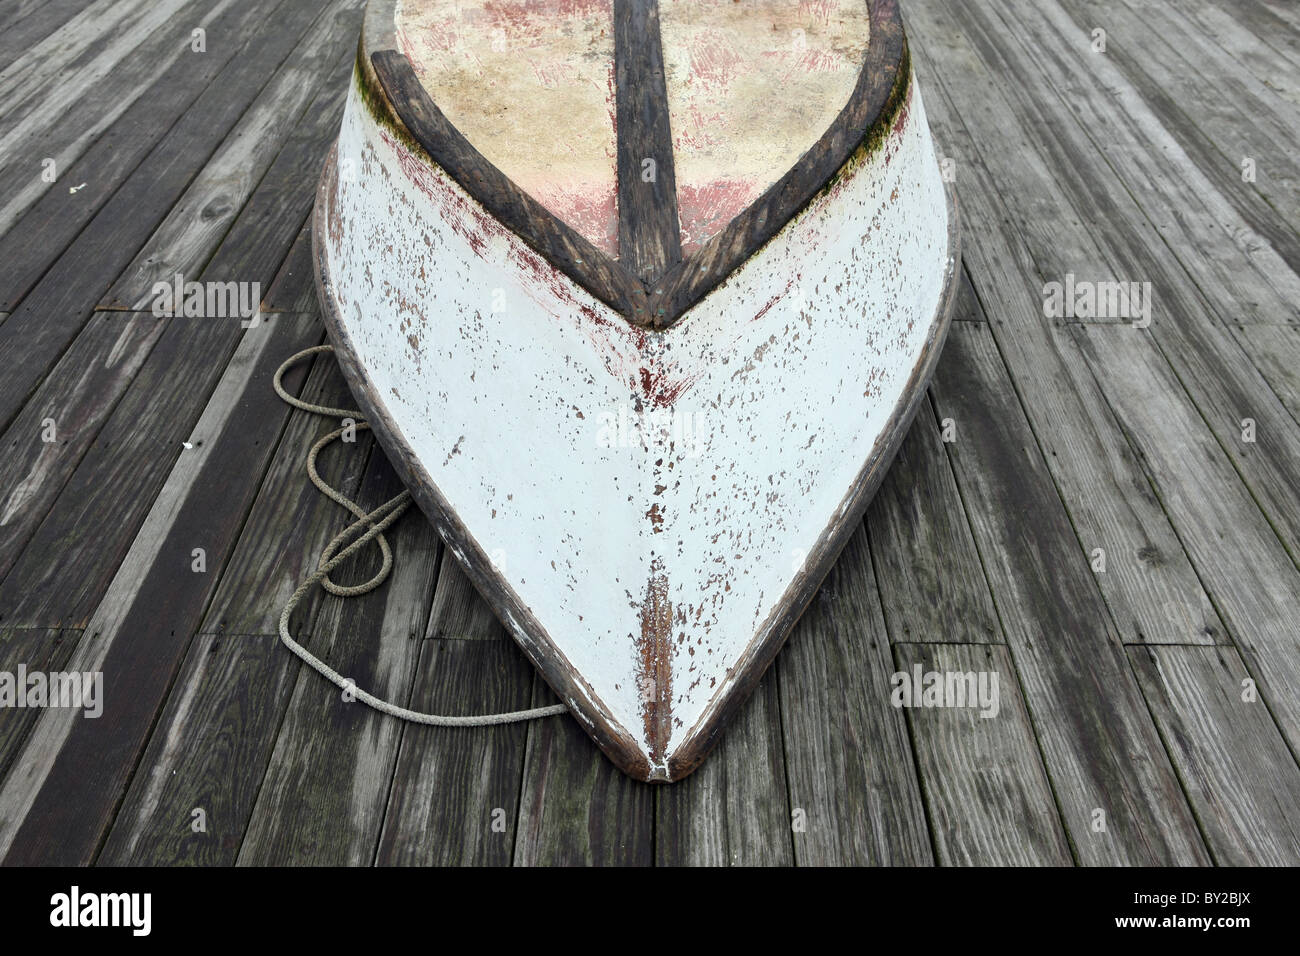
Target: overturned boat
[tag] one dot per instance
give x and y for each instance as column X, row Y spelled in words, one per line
column 640, row 298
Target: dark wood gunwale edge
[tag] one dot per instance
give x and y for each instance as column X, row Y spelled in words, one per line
column 772, row 634
column 879, row 94
column 612, row 738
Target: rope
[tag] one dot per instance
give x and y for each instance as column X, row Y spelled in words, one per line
column 377, row 522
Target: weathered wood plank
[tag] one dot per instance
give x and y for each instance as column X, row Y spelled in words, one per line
column 1241, row 779
column 1102, row 753
column 294, row 288
column 71, row 287
column 575, row 807
column 1210, row 364
column 568, row 804
column 92, row 40
column 40, row 649
column 989, row 800
column 83, row 104
column 53, row 431
column 1276, row 349
column 327, row 785
column 1146, row 178
column 59, row 801
column 1220, row 522
column 308, row 90
column 1274, row 22
column 1149, row 584
column 163, row 110
column 734, row 810
column 183, row 365
column 1220, row 115
column 209, row 753
column 455, row 793
column 854, row 797
column 27, row 22
column 1259, row 41
column 290, row 521
column 172, row 778
column 932, row 586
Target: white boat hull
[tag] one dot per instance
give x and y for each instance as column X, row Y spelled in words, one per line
column 647, row 511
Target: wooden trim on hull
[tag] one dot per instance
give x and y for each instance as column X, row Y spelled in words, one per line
column 649, row 238
column 617, row 741
column 651, row 284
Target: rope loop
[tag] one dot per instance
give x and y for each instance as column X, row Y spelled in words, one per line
column 370, row 525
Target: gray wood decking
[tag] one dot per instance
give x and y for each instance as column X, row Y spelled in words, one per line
column 1124, row 692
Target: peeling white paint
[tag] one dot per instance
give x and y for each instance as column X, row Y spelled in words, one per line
column 792, row 367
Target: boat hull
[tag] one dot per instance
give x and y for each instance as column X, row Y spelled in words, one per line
column 648, row 512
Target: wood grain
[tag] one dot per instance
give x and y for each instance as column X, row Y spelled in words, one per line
column 1100, row 747
column 84, row 102
column 38, row 649
column 141, row 439
column 1126, row 430
column 932, row 586
column 1241, row 779
column 1221, row 523
column 986, row 791
column 456, row 791
column 323, row 800
column 1149, row 585
column 649, row 233
column 73, row 773
column 209, row 753
column 849, row 763
column 734, row 810
column 575, row 807
column 181, row 101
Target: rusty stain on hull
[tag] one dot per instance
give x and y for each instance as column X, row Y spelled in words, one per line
column 655, row 679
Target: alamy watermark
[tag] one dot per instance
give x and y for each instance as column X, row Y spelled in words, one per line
column 208, row 300
column 661, row 429
column 1084, row 299
column 74, row 909
column 922, row 688
column 55, row 689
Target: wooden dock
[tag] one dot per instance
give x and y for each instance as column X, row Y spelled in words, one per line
column 1103, row 512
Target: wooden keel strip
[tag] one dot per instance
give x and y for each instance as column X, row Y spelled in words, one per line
column 649, row 233
column 649, row 228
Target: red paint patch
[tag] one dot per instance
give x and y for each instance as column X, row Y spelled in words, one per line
column 714, row 63
column 705, row 210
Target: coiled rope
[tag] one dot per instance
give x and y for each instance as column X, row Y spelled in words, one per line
column 374, row 523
